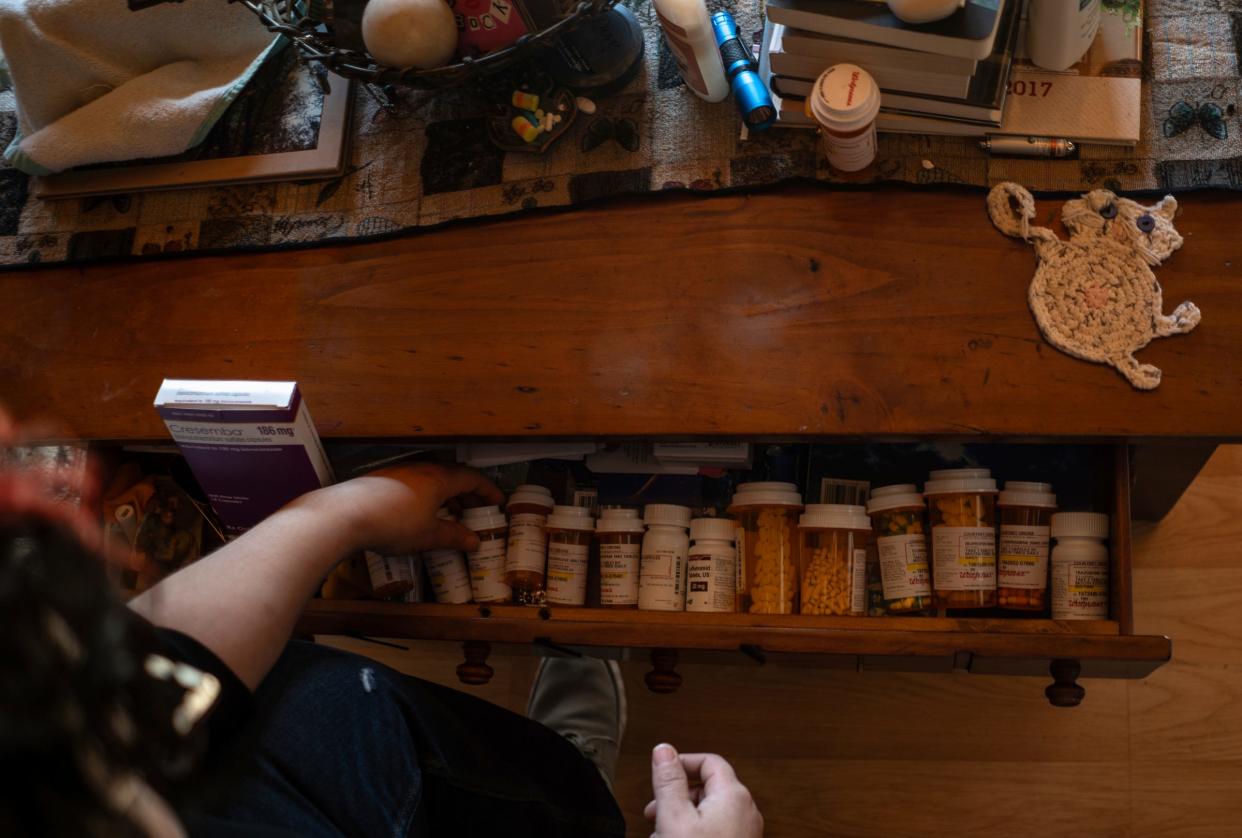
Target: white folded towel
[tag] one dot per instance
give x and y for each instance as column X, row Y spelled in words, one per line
column 96, row 82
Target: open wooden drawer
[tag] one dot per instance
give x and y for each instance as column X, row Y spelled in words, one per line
column 1064, row 650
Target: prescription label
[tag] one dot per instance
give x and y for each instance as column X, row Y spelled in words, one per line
column 487, row 572
column 711, row 583
column 1080, row 590
column 567, row 573
column 618, row 573
column 904, row 571
column 528, row 542
column 964, row 558
column 450, row 580
column 1023, row 557
column 662, row 580
column 858, row 581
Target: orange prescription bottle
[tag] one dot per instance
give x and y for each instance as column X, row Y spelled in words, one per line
column 487, row 564
column 620, row 535
column 526, row 558
column 962, row 511
column 569, row 544
column 767, row 546
column 1025, row 511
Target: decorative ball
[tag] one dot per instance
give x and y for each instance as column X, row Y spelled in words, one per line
column 924, row 11
column 409, row 33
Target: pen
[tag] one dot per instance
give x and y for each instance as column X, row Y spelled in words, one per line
column 1029, row 146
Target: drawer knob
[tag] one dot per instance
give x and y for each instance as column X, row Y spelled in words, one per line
column 1064, row 690
column 474, row 669
column 663, row 678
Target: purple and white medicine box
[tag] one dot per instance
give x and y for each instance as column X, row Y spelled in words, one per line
column 251, row 445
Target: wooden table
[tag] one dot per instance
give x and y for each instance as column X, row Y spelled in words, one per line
column 795, row 314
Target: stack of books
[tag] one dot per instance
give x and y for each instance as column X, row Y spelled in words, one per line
column 947, row 77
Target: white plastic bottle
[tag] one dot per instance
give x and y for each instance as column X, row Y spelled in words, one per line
column 1059, row 32
column 711, row 568
column 662, row 577
column 688, row 31
column 1079, row 566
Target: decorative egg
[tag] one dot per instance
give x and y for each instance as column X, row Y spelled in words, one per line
column 410, row 33
column 923, row 11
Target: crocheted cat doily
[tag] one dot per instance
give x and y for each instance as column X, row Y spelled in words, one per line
column 1095, row 296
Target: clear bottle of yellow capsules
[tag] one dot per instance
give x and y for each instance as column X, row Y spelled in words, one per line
column 569, row 544
column 834, row 559
column 528, row 509
column 767, row 547
column 619, row 532
column 961, row 505
column 897, row 516
column 487, row 564
column 1025, row 511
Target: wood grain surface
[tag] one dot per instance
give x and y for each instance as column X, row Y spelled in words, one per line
column 795, row 312
column 830, row 752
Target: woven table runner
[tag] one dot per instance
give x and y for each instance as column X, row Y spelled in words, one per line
column 430, row 161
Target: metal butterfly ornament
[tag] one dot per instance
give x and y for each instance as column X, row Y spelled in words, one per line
column 1210, row 117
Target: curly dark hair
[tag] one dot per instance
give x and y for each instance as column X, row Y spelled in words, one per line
column 80, row 718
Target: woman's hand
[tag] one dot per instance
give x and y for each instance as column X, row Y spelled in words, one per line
column 393, row 511
column 718, row 805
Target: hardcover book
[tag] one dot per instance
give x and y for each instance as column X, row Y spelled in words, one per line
column 970, row 32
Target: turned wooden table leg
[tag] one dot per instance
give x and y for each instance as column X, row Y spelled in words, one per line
column 663, row 678
column 1064, row 690
column 474, row 669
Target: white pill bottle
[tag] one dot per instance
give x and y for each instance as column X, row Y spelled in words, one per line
column 662, row 575
column 711, row 569
column 1079, row 574
column 1059, row 32
column 692, row 41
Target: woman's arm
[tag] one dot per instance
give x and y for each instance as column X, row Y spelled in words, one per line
column 243, row 600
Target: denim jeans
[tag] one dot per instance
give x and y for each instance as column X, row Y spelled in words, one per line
column 341, row 745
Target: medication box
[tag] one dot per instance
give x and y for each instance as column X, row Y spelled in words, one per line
column 251, row 444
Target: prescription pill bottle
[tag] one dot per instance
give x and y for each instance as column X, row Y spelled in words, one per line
column 569, row 544
column 528, row 510
column 487, row 564
column 844, row 104
column 767, row 546
column 1079, row 566
column 711, row 569
column 834, row 559
column 662, row 573
column 1025, row 510
column 391, row 576
column 619, row 532
column 446, row 568
column 897, row 520
column 961, row 504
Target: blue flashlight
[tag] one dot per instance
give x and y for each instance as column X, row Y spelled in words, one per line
column 749, row 91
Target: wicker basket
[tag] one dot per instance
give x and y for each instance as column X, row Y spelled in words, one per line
column 315, row 44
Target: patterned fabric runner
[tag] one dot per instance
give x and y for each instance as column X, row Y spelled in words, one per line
column 431, row 162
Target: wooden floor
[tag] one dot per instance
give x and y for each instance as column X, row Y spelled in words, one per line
column 836, row 753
